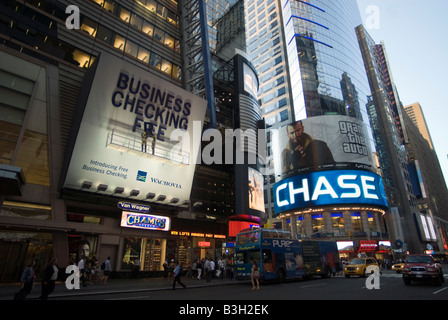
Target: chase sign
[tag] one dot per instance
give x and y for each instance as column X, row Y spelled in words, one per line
column 334, row 187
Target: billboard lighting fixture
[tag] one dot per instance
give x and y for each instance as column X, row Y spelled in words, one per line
column 134, row 193
column 174, row 200
column 185, row 202
column 150, row 195
column 118, row 190
column 86, row 184
column 197, row 204
column 161, row 197
column 102, row 187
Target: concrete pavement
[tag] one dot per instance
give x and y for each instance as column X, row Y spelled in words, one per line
column 8, row 290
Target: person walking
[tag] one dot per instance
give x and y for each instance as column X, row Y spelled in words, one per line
column 81, row 267
column 177, row 273
column 27, row 282
column 207, row 270
column 107, row 270
column 255, row 276
column 49, row 278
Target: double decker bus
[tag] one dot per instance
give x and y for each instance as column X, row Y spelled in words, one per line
column 280, row 257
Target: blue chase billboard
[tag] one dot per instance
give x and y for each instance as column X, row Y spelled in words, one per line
column 329, row 188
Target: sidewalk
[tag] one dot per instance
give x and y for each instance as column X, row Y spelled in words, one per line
column 8, row 290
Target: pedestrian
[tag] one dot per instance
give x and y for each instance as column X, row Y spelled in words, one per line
column 177, row 273
column 27, row 282
column 165, row 269
column 136, row 268
column 207, row 270
column 106, row 271
column 200, row 267
column 255, row 276
column 171, row 268
column 49, row 278
column 82, row 271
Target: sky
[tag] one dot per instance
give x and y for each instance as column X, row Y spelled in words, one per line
column 415, row 33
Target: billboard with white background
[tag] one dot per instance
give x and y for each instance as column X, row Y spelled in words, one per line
column 123, row 136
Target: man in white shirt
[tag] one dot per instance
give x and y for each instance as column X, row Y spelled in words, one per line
column 81, row 271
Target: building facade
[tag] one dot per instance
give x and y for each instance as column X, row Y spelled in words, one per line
column 48, row 71
column 428, row 182
column 310, row 69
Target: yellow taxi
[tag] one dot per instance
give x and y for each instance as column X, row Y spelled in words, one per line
column 398, row 267
column 358, row 266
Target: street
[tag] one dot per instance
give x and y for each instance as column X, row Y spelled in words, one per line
column 391, row 287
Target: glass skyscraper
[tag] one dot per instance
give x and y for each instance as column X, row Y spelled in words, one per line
column 308, row 61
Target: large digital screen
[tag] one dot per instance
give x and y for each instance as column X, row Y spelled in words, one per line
column 256, row 190
column 333, row 187
column 321, row 143
column 123, row 140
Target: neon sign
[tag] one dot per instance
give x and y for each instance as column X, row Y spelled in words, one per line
column 144, row 221
column 333, row 187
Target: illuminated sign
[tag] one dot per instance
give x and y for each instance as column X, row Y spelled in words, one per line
column 367, row 245
column 144, row 221
column 330, row 141
column 204, row 243
column 334, row 187
column 197, row 234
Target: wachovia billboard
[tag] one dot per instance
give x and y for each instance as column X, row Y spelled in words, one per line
column 122, row 135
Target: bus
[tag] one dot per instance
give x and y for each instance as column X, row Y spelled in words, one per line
column 280, row 257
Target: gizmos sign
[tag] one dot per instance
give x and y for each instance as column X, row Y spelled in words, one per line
column 333, row 187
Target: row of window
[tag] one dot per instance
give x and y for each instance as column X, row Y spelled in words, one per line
column 130, row 47
column 42, row 40
column 151, row 5
column 338, row 225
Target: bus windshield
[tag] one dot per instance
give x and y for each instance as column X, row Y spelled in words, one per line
column 248, row 238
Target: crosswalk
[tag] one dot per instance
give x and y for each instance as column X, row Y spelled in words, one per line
column 384, row 275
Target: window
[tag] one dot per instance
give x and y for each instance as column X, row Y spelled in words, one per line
column 104, row 34
column 136, row 21
column 131, row 48
column 148, row 28
column 356, row 222
column 155, row 60
column 318, row 222
column 119, row 42
column 143, row 55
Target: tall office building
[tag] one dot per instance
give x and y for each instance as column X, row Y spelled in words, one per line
column 428, row 182
column 75, row 101
column 415, row 113
column 386, row 114
column 311, row 70
column 307, row 60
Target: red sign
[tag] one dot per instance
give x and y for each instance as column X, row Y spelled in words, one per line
column 367, row 245
column 204, row 243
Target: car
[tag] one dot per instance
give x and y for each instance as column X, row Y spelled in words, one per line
column 358, row 267
column 398, row 267
column 422, row 267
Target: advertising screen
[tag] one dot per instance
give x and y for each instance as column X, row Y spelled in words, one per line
column 255, row 186
column 320, row 143
column 123, row 140
column 333, row 187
